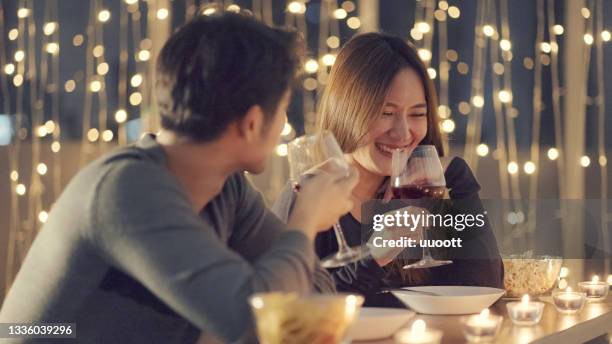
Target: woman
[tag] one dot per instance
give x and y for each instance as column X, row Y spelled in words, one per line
column 379, row 98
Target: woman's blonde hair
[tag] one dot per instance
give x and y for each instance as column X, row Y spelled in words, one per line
column 358, row 84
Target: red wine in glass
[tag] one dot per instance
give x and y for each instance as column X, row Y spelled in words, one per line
column 418, row 191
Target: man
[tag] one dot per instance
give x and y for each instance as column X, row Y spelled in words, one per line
column 152, row 241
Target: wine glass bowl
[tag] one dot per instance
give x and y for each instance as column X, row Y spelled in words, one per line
column 419, row 176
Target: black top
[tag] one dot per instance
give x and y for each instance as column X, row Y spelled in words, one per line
column 366, row 277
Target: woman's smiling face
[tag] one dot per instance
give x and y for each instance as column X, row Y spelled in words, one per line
column 402, row 124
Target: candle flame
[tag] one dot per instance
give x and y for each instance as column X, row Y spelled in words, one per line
column 419, row 327
column 484, row 314
column 564, row 272
column 595, row 279
column 525, row 299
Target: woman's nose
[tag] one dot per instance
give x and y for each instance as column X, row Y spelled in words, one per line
column 401, row 130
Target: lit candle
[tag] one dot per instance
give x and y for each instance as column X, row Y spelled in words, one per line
column 418, row 334
column 595, row 289
column 568, row 301
column 482, row 327
column 525, row 312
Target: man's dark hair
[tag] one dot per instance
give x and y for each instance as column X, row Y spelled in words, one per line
column 214, row 68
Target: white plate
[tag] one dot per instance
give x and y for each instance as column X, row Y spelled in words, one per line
column 378, row 323
column 451, row 299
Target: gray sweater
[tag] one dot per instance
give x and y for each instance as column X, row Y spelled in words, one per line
column 124, row 256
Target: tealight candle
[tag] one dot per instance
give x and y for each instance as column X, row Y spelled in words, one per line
column 481, row 328
column 525, row 312
column 418, row 334
column 568, row 301
column 595, row 289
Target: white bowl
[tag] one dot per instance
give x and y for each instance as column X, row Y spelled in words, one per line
column 450, row 300
column 378, row 323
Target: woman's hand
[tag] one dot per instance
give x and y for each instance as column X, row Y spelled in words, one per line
column 385, row 255
column 324, row 196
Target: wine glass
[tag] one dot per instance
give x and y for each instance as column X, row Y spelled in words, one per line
column 419, row 175
column 305, row 153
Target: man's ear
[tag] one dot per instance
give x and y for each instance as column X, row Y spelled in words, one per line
column 251, row 125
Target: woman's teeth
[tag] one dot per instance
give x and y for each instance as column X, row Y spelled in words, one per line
column 387, row 149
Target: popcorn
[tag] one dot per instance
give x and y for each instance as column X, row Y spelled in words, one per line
column 533, row 276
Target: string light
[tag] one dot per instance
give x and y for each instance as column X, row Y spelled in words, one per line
column 104, row 16
column 558, row 29
column 136, row 80
column 553, row 154
column 23, row 12
column 281, row 150
column 498, row 68
column 432, row 73
column 19, row 55
column 41, row 131
column 120, row 116
column 585, row 161
column 333, row 42
column 287, row 129
column 311, row 66
column 478, row 101
column 505, row 45
column 95, row 86
column 464, row 108
column 545, row 47
column 209, row 11
column 605, row 35
column 513, row 167
column 9, row 68
column 135, row 98
column 440, row 15
column 52, row 48
column 423, row 27
column 43, row 216
column 13, row 34
column 20, row 189
column 603, row 161
column 586, row 13
column 18, row 80
column 49, row 28
column 55, row 146
column 416, row 34
column 328, row 59
column 353, row 23
column 482, row 150
column 107, row 135
column 488, row 30
column 340, row 13
column 349, row 6
column 233, row 8
column 93, row 134
column 454, row 12
column 448, row 126
column 98, row 51
column 102, row 68
column 588, row 38
column 162, row 13
column 310, row 84
column 41, row 168
column 14, row 176
column 144, row 55
column 504, row 96
column 443, row 5
column 463, row 68
column 49, row 126
column 131, row 2
column 424, row 54
column 296, row 7
column 69, row 85
column 443, row 111
column 529, row 167
column 77, row 40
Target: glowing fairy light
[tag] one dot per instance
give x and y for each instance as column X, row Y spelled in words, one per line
column 104, row 16
column 340, row 13
column 120, row 116
column 513, row 167
column 311, row 66
column 558, row 29
column 478, row 101
column 162, row 13
column 482, row 150
column 585, row 161
column 488, row 30
column 328, row 59
column 353, row 23
column 136, row 80
column 49, row 28
column 424, row 54
column 423, row 27
column 553, row 154
column 529, row 167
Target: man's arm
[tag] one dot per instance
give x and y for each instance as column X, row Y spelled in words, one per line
column 143, row 224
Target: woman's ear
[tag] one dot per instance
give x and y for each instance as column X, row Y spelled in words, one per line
column 251, row 125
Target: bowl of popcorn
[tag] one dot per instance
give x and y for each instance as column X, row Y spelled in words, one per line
column 530, row 274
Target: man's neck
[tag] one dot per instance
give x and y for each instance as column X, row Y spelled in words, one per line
column 201, row 168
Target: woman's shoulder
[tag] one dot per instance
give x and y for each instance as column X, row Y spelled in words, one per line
column 459, row 177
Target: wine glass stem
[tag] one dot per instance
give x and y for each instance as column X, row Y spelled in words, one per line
column 426, row 252
column 342, row 244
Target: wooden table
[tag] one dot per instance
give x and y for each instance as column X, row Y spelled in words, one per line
column 593, row 321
